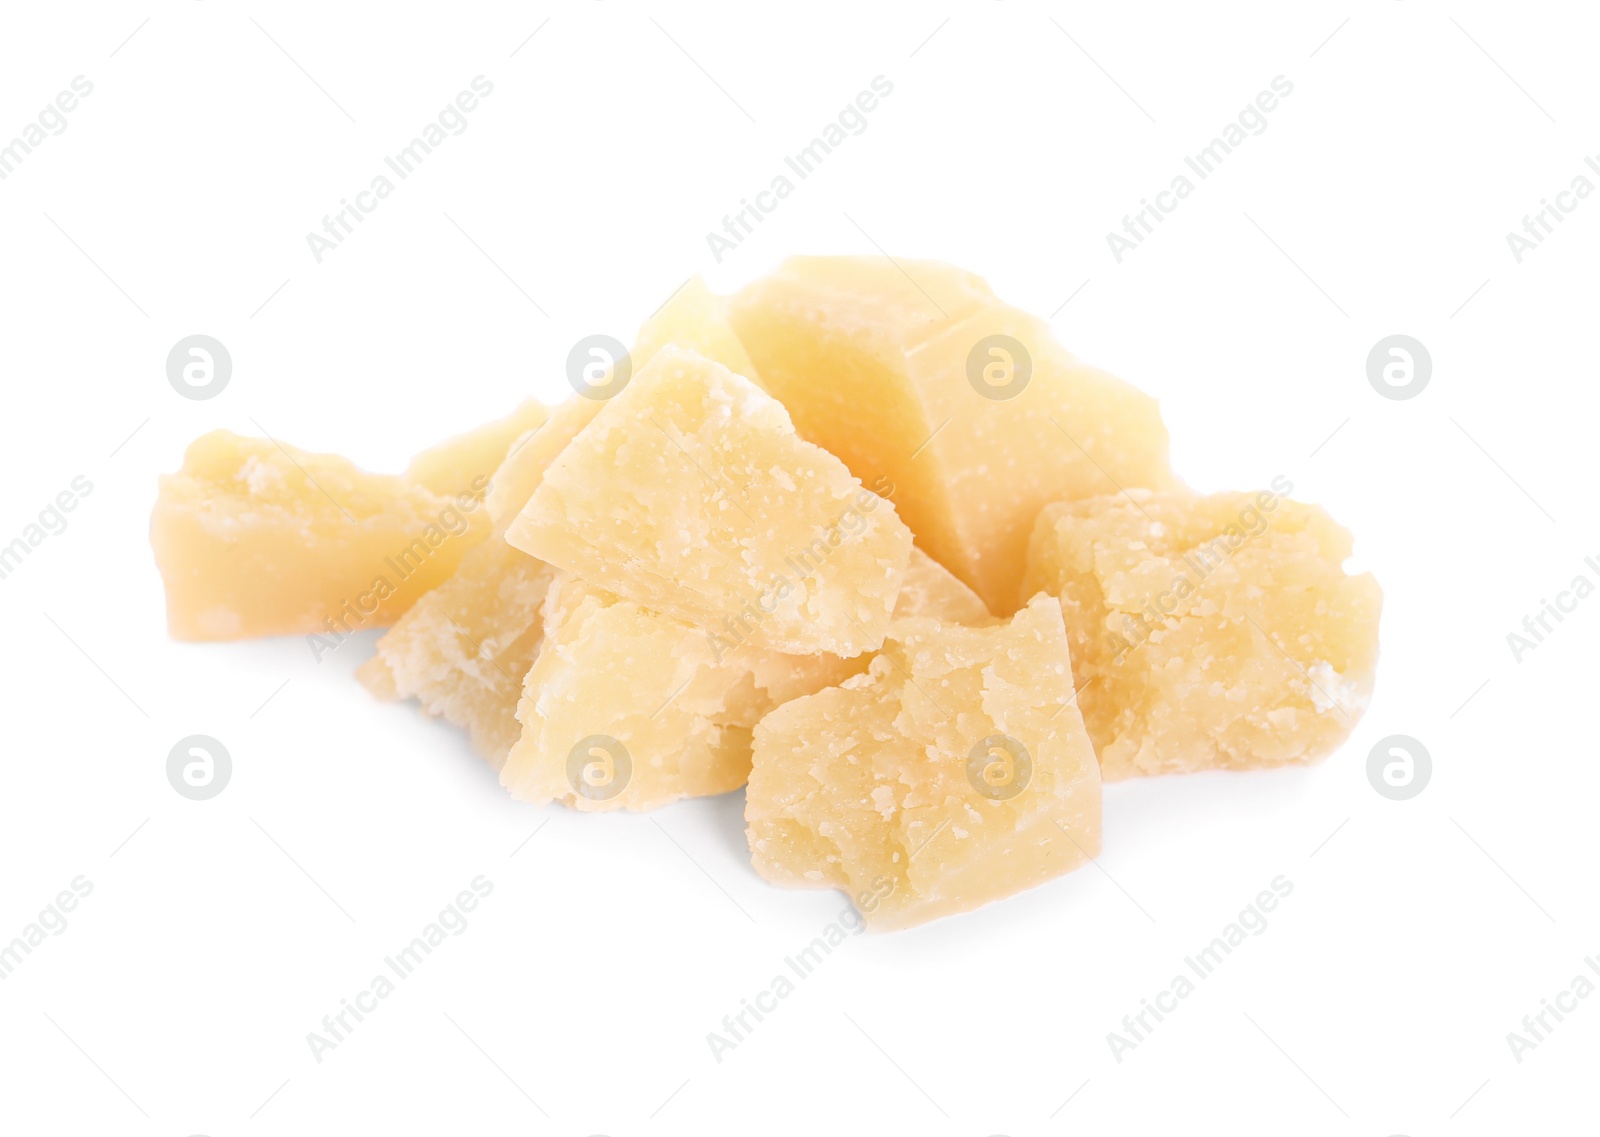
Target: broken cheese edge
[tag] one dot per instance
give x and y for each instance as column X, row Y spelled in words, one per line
column 692, row 318
column 679, row 704
column 908, row 357
column 253, row 538
column 1209, row 632
column 691, row 495
column 463, row 463
column 873, row 785
column 464, row 649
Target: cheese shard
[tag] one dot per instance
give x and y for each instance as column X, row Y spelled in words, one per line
column 691, row 495
column 1216, row 632
column 465, row 463
column 691, row 317
column 930, row 589
column 954, row 772
column 530, row 456
column 679, row 700
column 899, row 368
column 627, row 709
column 463, row 649
column 253, row 538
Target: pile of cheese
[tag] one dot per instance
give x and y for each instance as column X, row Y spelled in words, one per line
column 861, row 538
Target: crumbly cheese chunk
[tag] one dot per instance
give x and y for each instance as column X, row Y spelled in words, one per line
column 954, row 772
column 254, row 538
column 919, row 378
column 1209, row 632
column 677, row 700
column 691, row 494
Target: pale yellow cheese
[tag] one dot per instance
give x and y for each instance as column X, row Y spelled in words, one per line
column 457, row 464
column 679, row 700
column 876, row 362
column 1209, row 632
column 930, row 589
column 691, row 495
column 465, row 648
column 530, row 456
column 691, row 317
column 627, row 709
column 684, row 587
column 954, row 772
column 258, row 539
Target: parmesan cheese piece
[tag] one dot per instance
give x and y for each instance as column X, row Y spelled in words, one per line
column 258, row 539
column 954, row 772
column 457, row 464
column 1209, row 632
column 691, row 317
column 464, row 649
column 691, row 495
column 914, row 372
column 677, row 701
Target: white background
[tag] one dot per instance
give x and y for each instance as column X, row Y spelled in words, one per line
column 219, row 933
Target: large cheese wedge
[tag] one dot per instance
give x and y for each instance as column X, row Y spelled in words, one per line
column 918, row 377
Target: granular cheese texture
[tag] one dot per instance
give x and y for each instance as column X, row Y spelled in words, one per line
column 626, row 709
column 691, row 317
column 954, row 772
column 863, row 539
column 457, row 464
column 691, row 494
column 930, row 589
column 915, row 373
column 1209, row 632
column 465, row 648
column 254, row 538
column 677, row 700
